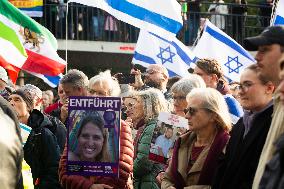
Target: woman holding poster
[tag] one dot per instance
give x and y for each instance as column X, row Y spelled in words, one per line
column 196, row 153
column 101, row 85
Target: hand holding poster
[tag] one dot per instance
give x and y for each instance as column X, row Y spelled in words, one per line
column 93, row 141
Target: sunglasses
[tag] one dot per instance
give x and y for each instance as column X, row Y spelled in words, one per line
column 190, row 110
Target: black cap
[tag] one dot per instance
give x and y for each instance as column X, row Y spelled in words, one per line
column 271, row 35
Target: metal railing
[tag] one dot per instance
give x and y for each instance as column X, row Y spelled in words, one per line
column 89, row 23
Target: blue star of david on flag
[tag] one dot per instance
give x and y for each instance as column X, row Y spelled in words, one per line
column 169, row 52
column 166, row 55
column 233, row 64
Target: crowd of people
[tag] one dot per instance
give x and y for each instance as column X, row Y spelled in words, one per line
column 89, row 23
column 234, row 137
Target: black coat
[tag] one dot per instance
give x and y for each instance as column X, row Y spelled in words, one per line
column 42, row 152
column 237, row 168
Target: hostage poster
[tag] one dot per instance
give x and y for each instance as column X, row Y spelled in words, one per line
column 168, row 128
column 93, row 139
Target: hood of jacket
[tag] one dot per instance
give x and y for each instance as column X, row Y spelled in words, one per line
column 37, row 120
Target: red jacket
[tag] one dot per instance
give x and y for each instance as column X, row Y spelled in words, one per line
column 52, row 107
column 125, row 167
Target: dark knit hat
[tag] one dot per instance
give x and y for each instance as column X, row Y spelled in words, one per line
column 27, row 97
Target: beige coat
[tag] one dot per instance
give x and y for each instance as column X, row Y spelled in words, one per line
column 275, row 131
column 11, row 149
column 191, row 178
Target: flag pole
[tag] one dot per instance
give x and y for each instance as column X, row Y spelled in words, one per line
column 66, row 37
column 273, row 11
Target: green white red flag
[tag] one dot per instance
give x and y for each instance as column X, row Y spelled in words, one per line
column 27, row 45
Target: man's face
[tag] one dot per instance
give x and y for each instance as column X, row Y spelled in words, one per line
column 61, row 93
column 169, row 133
column 154, row 77
column 281, row 85
column 70, row 90
column 2, row 85
column 206, row 77
column 267, row 58
column 18, row 104
column 45, row 100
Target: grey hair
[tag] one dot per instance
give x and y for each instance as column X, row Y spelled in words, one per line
column 213, row 101
column 106, row 77
column 185, row 85
column 33, row 90
column 76, row 78
column 153, row 101
column 161, row 68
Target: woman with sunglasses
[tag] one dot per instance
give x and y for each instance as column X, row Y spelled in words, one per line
column 196, row 152
column 179, row 90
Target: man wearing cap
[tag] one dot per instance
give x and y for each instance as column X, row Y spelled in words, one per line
column 270, row 48
column 41, row 150
column 36, row 95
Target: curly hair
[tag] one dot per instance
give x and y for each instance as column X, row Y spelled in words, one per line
column 106, row 77
column 210, row 66
column 153, row 101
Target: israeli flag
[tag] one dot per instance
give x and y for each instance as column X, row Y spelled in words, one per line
column 159, row 16
column 172, row 54
column 278, row 18
column 52, row 81
column 215, row 44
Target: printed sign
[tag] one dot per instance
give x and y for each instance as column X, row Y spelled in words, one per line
column 93, row 139
column 173, row 120
column 168, row 128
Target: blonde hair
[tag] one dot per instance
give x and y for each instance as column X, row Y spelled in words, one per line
column 106, row 76
column 214, row 101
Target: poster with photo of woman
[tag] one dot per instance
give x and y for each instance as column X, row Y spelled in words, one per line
column 93, row 140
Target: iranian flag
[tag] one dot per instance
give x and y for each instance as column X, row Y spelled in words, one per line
column 27, row 45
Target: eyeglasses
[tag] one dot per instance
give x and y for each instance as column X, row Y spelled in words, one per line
column 179, row 98
column 150, row 72
column 235, row 87
column 131, row 104
column 190, row 110
column 245, row 86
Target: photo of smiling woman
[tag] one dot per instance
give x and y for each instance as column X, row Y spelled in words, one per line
column 92, row 141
